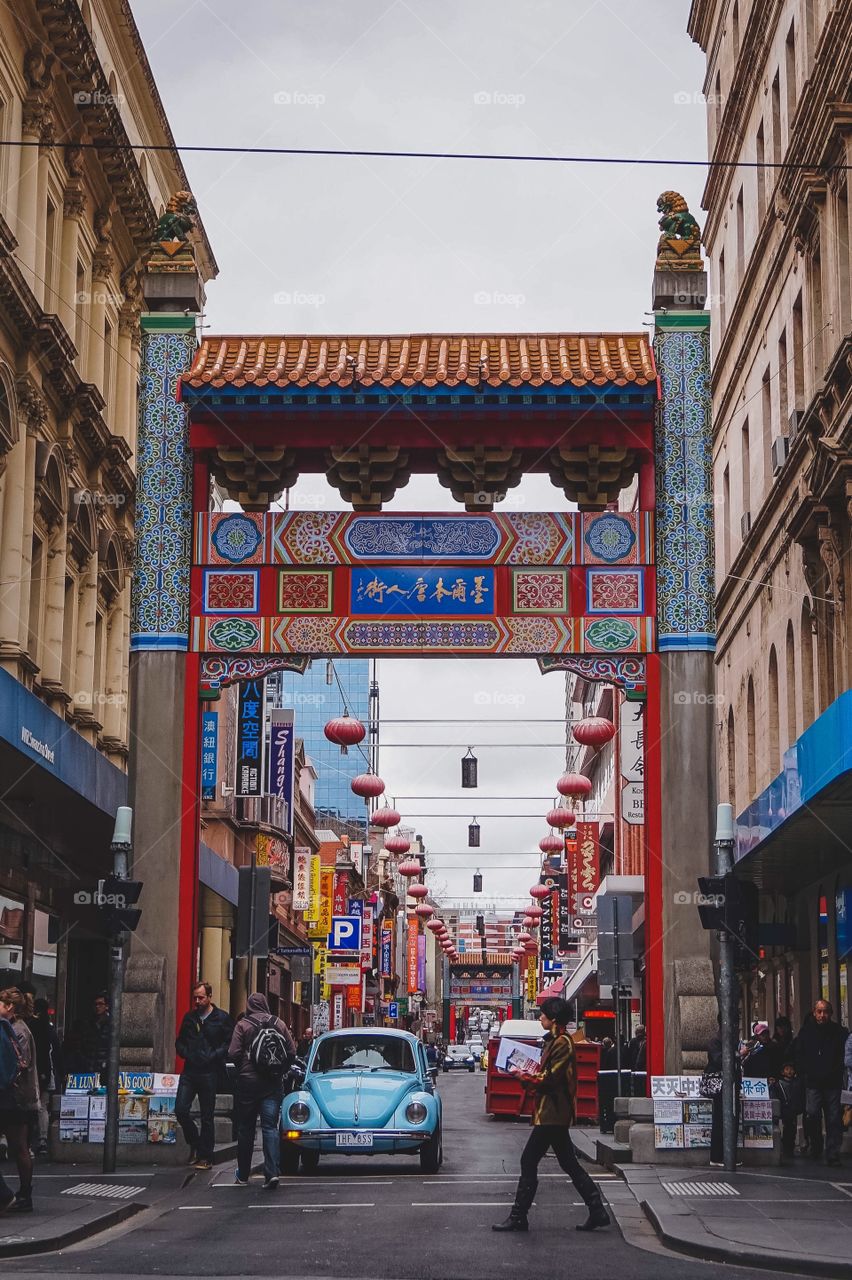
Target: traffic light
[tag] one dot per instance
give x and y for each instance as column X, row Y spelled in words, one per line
column 116, row 898
column 731, row 904
column 480, row 924
column 711, row 903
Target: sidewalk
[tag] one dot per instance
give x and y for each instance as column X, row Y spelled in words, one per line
column 73, row 1202
column 796, row 1218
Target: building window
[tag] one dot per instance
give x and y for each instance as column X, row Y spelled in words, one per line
column 766, row 415
column 735, row 29
column 783, row 402
column 774, row 735
column 732, row 760
column 750, row 730
column 69, row 636
column 722, row 307
column 843, row 263
column 50, row 259
column 776, row 123
column 717, row 102
column 81, row 309
column 817, row 325
column 745, row 455
column 790, row 647
column 760, row 156
column 726, row 517
column 35, row 629
column 790, row 73
column 109, row 362
column 807, row 661
column 740, row 239
column 798, row 355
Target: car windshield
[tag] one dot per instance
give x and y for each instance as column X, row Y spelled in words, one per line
column 363, row 1053
column 459, row 1051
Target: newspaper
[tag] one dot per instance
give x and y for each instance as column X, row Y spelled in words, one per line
column 515, row 1057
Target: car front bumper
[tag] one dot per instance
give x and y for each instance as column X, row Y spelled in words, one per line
column 385, row 1141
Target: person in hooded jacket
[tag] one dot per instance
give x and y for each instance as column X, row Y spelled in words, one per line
column 257, row 1095
column 820, row 1048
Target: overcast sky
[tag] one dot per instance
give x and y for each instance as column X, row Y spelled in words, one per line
column 340, row 244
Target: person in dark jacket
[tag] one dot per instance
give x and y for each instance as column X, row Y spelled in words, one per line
column 202, row 1042
column 789, row 1092
column 94, row 1049
column 303, row 1048
column 51, row 1070
column 257, row 1095
column 820, row 1048
column 783, row 1040
column 762, row 1061
column 555, row 1088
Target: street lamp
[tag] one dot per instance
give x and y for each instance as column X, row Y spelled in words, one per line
column 469, row 766
column 473, row 835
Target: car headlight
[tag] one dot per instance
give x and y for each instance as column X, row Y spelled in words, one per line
column 299, row 1112
column 416, row 1112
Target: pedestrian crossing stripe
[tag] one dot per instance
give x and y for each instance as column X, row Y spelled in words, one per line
column 108, row 1190
column 700, row 1189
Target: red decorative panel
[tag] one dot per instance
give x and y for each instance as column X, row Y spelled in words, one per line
column 300, row 592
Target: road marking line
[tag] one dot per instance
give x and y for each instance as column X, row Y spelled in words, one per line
column 195, row 1206
column 462, row 1204
column 273, row 1205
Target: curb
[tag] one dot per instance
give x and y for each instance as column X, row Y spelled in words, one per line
column 49, row 1244
column 745, row 1255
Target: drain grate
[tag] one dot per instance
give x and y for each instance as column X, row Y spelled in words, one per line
column 107, row 1190
column 700, row 1189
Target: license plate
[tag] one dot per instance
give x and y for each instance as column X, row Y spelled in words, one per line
column 354, row 1140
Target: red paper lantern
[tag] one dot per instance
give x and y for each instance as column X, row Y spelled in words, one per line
column 530, row 922
column 385, row 817
column 345, row 732
column 534, row 912
column 561, row 818
column 424, row 911
column 574, row 784
column 525, row 938
column 417, row 890
column 397, row 844
column 551, row 844
column 541, row 890
column 435, row 926
column 531, row 948
column 594, row 731
column 409, row 867
column 368, row 785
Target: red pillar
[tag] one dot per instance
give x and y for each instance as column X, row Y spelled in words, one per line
column 654, row 969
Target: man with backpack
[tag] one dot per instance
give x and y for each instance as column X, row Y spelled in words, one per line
column 261, row 1050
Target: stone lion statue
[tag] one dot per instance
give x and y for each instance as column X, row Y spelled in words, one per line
column 178, row 220
column 680, row 234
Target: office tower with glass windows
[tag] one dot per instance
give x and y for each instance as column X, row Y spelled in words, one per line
column 315, row 701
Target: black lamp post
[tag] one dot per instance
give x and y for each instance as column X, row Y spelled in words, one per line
column 473, row 835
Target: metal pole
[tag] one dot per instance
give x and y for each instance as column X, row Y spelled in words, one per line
column 615, row 997
column 251, row 920
column 120, row 853
column 727, row 995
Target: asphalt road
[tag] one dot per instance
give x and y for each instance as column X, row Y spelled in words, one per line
column 362, row 1218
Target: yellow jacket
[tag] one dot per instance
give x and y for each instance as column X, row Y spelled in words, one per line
column 555, row 1082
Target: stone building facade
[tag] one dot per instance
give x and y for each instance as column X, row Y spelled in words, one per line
column 79, row 198
column 777, row 235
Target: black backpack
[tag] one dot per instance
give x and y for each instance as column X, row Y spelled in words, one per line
column 269, row 1053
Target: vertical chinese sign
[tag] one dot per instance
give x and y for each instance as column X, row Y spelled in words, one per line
column 532, row 974
column 387, row 949
column 249, row 776
column 301, row 879
column 209, row 751
column 631, row 760
column 282, row 759
column 588, row 857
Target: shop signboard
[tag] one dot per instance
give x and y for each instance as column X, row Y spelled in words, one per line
column 588, row 857
column 301, row 879
column 387, row 949
column 282, row 757
column 412, row 953
column 249, row 778
column 209, row 753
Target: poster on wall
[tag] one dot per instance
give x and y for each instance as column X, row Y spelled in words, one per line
column 249, row 755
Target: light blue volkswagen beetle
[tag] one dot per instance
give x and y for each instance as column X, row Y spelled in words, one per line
column 367, row 1091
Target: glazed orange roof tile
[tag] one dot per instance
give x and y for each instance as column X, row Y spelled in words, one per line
column 428, row 360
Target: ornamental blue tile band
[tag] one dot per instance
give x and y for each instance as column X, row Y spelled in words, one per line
column 684, row 489
column 160, row 586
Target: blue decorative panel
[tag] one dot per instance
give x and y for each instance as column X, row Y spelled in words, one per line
column 409, row 590
column 160, row 590
column 684, row 487
column 404, row 538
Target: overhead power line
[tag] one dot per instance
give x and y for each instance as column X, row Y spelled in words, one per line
column 103, row 144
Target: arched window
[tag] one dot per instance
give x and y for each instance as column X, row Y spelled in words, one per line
column 85, row 10
column 807, row 665
column 732, row 760
column 750, row 731
column 8, row 414
column 774, row 744
column 790, row 648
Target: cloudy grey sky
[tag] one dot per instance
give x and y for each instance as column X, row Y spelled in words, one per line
column 338, row 244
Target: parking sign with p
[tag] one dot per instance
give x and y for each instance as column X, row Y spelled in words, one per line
column 345, row 934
